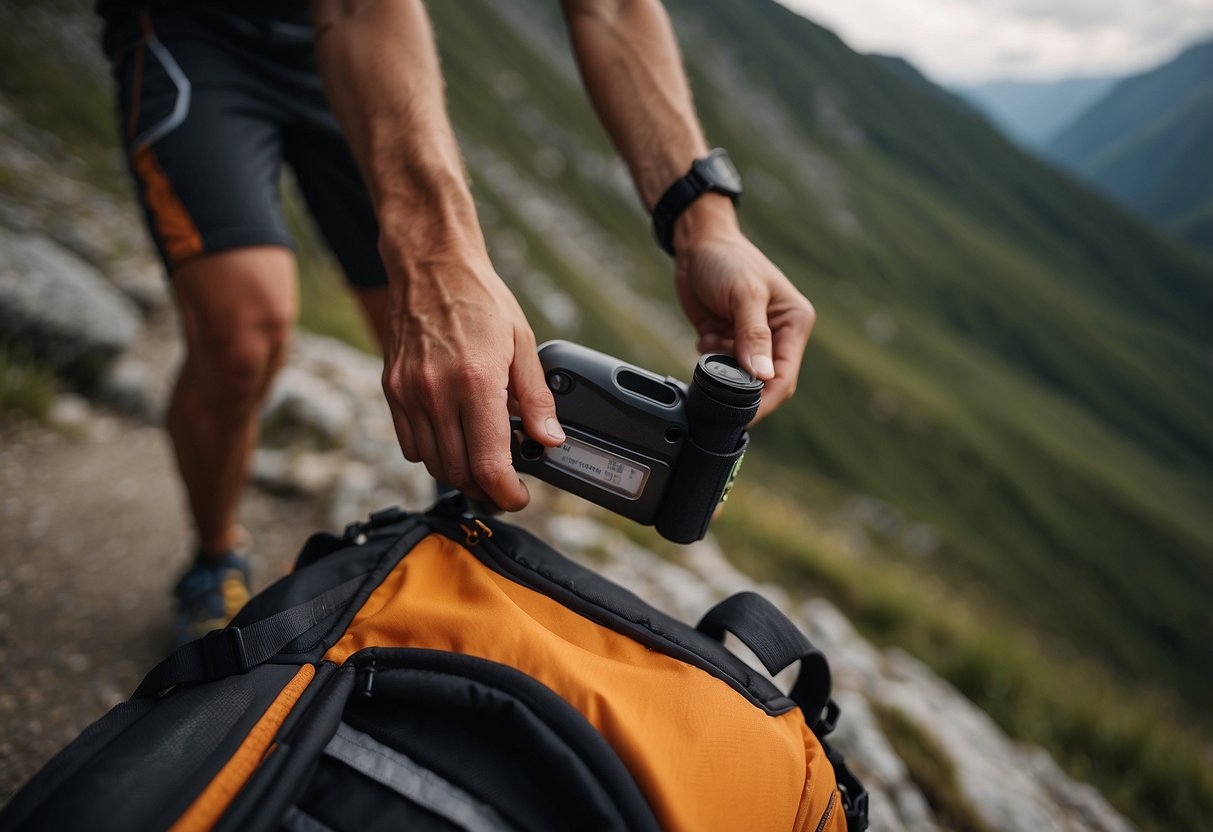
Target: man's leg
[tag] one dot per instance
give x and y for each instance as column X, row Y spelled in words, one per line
column 237, row 308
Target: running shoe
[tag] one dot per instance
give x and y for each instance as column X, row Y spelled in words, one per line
column 209, row 594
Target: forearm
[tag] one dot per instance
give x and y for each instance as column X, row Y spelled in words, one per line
column 380, row 67
column 632, row 69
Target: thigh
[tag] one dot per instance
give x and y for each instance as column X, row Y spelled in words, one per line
column 204, row 149
column 336, row 196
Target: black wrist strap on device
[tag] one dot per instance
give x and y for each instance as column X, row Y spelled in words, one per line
column 704, row 176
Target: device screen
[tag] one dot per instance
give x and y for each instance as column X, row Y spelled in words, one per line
column 599, row 467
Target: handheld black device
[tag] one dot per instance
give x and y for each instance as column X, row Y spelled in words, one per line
column 652, row 449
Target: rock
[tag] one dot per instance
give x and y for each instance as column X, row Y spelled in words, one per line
column 133, row 388
column 302, row 400
column 896, row 802
column 705, row 558
column 75, row 235
column 996, row 776
column 13, row 216
column 854, row 662
column 270, row 469
column 59, row 307
column 70, row 411
column 352, row 495
column 409, row 483
column 143, row 282
column 315, row 473
column 302, row 472
column 1081, row 801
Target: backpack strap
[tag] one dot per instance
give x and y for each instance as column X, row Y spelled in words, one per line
column 777, row 642
column 222, row 653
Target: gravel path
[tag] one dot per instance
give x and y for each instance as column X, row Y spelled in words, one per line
column 93, row 535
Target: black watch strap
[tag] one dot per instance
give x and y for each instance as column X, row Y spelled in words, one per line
column 700, row 179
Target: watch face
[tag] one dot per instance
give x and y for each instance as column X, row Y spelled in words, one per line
column 719, row 170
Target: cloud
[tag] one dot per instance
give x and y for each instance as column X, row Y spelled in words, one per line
column 975, row 40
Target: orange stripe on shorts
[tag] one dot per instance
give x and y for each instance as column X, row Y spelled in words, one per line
column 172, row 222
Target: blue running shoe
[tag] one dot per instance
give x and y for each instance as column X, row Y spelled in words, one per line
column 210, row 594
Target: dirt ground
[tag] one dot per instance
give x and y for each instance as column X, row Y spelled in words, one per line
column 93, row 535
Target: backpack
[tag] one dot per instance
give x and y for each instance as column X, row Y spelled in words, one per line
column 450, row 671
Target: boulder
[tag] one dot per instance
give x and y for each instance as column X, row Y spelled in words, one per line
column 59, row 308
column 304, row 401
column 132, row 387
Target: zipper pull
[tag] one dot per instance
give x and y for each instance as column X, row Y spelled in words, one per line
column 472, row 535
column 368, row 681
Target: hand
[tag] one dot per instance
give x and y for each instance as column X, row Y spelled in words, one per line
column 739, row 301
column 459, row 351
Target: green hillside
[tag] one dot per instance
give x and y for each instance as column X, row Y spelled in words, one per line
column 999, row 354
column 1000, row 452
column 1147, row 143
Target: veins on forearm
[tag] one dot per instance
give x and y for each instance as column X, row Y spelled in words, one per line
column 633, row 70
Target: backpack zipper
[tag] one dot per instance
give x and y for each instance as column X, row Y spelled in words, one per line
column 829, row 811
column 481, row 533
column 472, row 535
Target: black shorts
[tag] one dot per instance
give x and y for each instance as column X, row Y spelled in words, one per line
column 209, row 112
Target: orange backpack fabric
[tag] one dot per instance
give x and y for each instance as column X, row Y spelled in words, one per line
column 704, row 757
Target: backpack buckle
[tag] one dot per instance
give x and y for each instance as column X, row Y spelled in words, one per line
column 827, row 720
column 223, row 653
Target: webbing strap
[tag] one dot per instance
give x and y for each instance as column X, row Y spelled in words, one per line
column 777, row 642
column 397, row 771
column 222, row 653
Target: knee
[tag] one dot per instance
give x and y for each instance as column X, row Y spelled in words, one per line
column 237, row 364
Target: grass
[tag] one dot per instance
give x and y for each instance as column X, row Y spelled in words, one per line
column 51, row 87
column 932, row 771
column 27, row 389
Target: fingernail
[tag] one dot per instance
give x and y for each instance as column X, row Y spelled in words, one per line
column 763, row 368
column 553, row 428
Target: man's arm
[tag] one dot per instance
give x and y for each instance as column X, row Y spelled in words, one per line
column 736, row 299
column 458, row 344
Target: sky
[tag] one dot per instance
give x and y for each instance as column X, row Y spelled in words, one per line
column 970, row 41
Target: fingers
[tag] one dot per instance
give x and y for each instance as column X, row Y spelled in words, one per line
column 430, row 428
column 751, row 333
column 484, row 424
column 792, row 327
column 395, row 392
column 536, row 405
column 413, row 426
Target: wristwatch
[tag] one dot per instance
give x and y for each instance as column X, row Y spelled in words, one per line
column 714, row 172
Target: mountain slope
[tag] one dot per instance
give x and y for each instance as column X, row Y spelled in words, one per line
column 1034, row 113
column 1147, row 143
column 999, row 354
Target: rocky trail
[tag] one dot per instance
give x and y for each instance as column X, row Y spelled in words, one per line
column 93, row 529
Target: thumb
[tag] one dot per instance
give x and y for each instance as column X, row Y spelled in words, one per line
column 536, row 405
column 752, row 335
